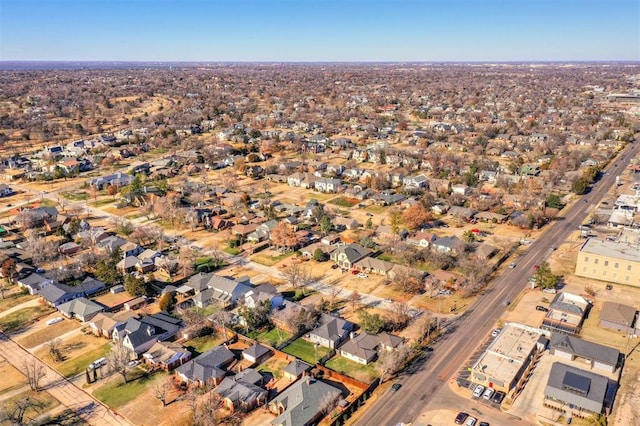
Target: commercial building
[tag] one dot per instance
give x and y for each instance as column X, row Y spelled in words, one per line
column 566, row 313
column 508, row 357
column 612, row 261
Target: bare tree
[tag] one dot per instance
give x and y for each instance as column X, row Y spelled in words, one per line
column 399, row 315
column 35, row 372
column 328, row 402
column 15, row 410
column 391, row 362
column 118, row 359
column 160, row 391
column 354, row 299
column 54, row 349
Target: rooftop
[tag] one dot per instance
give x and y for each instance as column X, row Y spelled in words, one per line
column 617, row 250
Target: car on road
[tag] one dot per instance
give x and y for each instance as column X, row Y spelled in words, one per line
column 488, row 393
column 553, row 248
column 460, row 418
column 498, row 397
column 506, row 302
column 363, row 275
column 471, row 421
column 478, row 391
column 395, row 387
column 512, row 265
column 541, row 308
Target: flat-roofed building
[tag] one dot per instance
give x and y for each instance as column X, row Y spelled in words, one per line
column 566, row 313
column 508, row 357
column 612, row 261
column 576, row 392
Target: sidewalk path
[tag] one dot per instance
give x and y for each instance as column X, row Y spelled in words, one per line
column 69, row 395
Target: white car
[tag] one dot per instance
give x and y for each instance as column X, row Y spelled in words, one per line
column 477, row 392
column 54, row 320
column 471, row 421
column 363, row 275
column 488, row 393
column 495, row 332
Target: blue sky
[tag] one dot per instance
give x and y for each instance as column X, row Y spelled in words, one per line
column 320, row 30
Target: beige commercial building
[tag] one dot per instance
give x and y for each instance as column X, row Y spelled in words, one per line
column 504, row 364
column 612, row 261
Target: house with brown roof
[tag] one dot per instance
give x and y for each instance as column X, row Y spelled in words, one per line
column 619, row 317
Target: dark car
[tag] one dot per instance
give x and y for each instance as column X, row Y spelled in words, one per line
column 461, row 417
column 541, row 308
column 498, row 397
column 483, row 424
column 335, row 266
column 395, row 387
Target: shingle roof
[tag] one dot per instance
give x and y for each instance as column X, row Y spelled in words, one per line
column 618, row 313
column 207, row 365
column 81, row 307
column 297, row 367
column 585, row 349
column 559, row 387
column 303, row 401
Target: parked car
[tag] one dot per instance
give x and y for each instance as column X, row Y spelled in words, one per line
column 363, row 275
column 355, row 272
column 609, row 287
column 478, row 391
column 483, row 424
column 54, row 320
column 512, row 265
column 495, row 332
column 395, row 387
column 488, row 393
column 541, row 308
column 445, row 292
column 498, row 397
column 551, row 290
column 334, row 266
column 471, row 421
column 461, row 417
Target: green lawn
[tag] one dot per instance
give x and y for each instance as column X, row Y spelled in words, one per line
column 273, row 337
column 115, row 394
column 232, row 250
column 364, row 373
column 344, row 201
column 304, row 350
column 75, row 196
column 80, row 363
column 21, row 318
column 202, row 344
column 13, row 299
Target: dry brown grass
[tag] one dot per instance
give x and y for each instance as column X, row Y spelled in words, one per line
column 11, row 378
column 50, row 332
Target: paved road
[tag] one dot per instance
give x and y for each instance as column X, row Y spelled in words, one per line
column 80, row 402
column 464, row 334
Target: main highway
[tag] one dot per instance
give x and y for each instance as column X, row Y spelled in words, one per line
column 463, row 335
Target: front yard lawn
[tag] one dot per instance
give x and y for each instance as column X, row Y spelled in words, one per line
column 115, row 394
column 21, row 318
column 50, row 332
column 364, row 373
column 344, row 201
column 268, row 260
column 305, row 351
column 43, row 397
column 273, row 337
column 14, row 299
column 78, row 364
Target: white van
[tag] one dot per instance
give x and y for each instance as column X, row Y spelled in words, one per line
column 98, row 363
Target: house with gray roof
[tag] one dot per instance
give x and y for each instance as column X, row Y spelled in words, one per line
column 211, row 288
column 295, row 369
column 34, row 282
column 577, row 392
column 593, row 354
column 256, row 353
column 206, row 368
column 619, row 317
column 330, row 331
column 302, row 403
column 80, row 308
column 140, row 334
column 365, row 347
column 243, row 390
column 346, row 256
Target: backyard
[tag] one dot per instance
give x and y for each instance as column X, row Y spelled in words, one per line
column 270, row 257
column 275, row 366
column 306, row 351
column 199, row 345
column 273, row 337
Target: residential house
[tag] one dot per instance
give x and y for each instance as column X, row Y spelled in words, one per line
column 261, row 293
column 415, row 182
column 56, row 293
column 302, row 403
column 491, row 217
column 342, row 223
column 166, row 355
column 566, row 313
column 206, row 368
column 330, row 331
column 296, row 369
column 593, row 354
column 328, row 185
column 242, row 391
column 422, row 239
column 256, row 353
column 81, row 308
column 69, row 248
column 485, row 251
column 140, row 334
column 5, row 190
column 439, row 279
column 577, row 392
column 449, row 244
column 103, row 324
column 34, row 283
column 346, row 256
column 462, row 212
column 210, row 288
column 619, row 317
column 365, row 347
